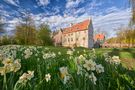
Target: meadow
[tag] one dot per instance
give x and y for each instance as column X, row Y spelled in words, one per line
column 58, row 68
column 127, row 55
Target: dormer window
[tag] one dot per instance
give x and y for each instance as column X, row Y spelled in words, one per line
column 77, row 28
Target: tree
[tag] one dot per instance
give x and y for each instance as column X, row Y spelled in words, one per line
column 44, row 35
column 132, row 21
column 1, row 25
column 126, row 36
column 26, row 30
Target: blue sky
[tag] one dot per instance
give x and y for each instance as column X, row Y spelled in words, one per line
column 107, row 15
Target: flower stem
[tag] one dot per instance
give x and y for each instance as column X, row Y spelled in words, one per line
column 4, row 82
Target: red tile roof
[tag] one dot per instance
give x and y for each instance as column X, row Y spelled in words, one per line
column 99, row 37
column 77, row 27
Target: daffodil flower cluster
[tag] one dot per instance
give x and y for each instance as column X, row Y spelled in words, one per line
column 26, row 76
column 70, row 52
column 88, row 67
column 49, row 55
column 116, row 59
column 112, row 60
column 27, row 53
column 10, row 66
column 9, row 51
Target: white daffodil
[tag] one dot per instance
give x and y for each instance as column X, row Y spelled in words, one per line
column 30, row 75
column 116, row 60
column 80, row 59
column 23, row 79
column 105, row 55
column 2, row 70
column 15, row 66
column 47, row 77
column 84, row 51
column 99, row 68
column 66, row 79
column 63, row 72
column 93, row 78
column 59, row 53
column 69, row 52
column 79, row 70
column 7, row 61
column 89, row 65
column 26, row 76
column 93, row 50
column 27, row 53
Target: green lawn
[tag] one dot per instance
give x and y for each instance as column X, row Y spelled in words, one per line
column 127, row 55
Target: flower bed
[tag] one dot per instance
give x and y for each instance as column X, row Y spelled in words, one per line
column 49, row 68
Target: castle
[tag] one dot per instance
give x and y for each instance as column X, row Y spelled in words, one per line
column 76, row 35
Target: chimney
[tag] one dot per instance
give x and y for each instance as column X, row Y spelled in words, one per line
column 71, row 24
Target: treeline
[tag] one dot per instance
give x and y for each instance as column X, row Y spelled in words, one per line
column 125, row 37
column 27, row 33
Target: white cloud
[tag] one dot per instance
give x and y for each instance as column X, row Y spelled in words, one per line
column 12, row 2
column 58, row 21
column 112, row 21
column 81, row 10
column 11, row 24
column 43, row 2
column 73, row 3
column 87, row 8
column 95, row 3
column 112, row 9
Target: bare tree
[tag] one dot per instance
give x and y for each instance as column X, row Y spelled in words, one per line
column 1, row 25
column 26, row 30
column 132, row 3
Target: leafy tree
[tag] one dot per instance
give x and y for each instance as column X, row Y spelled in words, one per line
column 44, row 35
column 26, row 30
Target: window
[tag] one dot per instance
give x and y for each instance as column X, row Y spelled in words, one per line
column 71, row 33
column 68, row 40
column 71, row 39
column 83, row 38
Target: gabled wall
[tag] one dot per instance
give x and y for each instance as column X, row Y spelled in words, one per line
column 90, row 36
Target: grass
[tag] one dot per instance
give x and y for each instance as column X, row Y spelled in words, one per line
column 127, row 55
